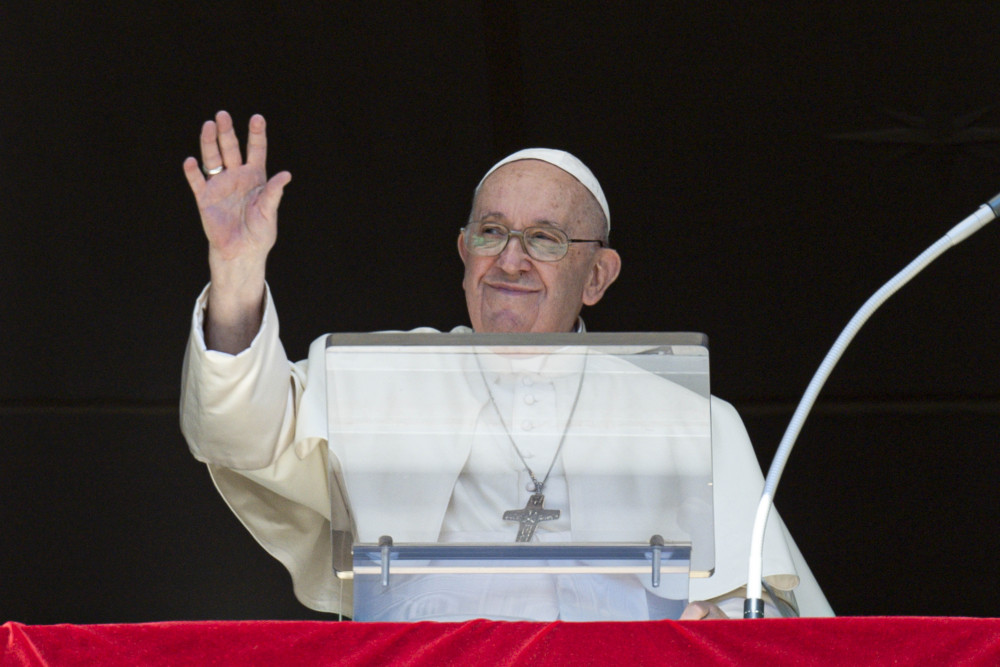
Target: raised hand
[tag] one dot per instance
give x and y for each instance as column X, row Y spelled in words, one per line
column 239, row 213
column 238, row 205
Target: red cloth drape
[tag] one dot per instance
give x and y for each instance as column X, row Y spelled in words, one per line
column 832, row 641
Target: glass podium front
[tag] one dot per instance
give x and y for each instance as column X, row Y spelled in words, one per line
column 521, row 477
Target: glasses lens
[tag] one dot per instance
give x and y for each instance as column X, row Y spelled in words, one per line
column 485, row 238
column 546, row 243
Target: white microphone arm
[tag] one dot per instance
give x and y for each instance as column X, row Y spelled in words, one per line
column 753, row 606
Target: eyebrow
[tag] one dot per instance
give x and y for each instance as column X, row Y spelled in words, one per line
column 535, row 223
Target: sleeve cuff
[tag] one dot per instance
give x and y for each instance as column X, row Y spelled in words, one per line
column 198, row 322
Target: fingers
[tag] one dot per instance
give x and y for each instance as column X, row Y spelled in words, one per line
column 220, row 149
column 696, row 611
column 715, row 612
column 229, row 145
column 194, row 177
column 257, row 142
column 693, row 612
column 210, row 157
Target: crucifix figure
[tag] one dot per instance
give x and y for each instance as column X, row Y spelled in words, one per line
column 532, row 514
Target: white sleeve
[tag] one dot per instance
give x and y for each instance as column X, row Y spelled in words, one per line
column 249, row 417
column 238, row 411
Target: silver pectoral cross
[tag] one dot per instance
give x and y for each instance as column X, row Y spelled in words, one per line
column 532, row 514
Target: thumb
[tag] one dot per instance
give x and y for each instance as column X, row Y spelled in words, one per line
column 273, row 190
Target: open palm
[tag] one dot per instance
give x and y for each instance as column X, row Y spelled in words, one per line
column 238, row 206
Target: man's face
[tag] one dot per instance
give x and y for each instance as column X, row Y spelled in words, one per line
column 512, row 292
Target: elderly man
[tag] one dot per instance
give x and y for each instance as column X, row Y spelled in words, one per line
column 535, row 252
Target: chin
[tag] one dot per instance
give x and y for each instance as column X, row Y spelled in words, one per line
column 504, row 329
column 506, row 324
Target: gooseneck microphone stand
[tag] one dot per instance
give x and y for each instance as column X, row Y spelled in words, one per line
column 753, row 606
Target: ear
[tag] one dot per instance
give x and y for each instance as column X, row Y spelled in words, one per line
column 603, row 272
column 462, row 252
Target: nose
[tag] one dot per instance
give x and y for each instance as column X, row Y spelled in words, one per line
column 514, row 257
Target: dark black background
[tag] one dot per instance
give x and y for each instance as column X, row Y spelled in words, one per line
column 738, row 204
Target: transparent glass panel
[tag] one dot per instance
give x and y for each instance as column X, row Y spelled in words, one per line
column 444, row 438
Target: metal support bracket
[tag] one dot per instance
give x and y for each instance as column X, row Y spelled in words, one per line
column 385, row 544
column 656, row 541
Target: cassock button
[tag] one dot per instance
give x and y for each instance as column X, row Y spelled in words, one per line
column 529, row 399
column 526, row 425
column 529, row 486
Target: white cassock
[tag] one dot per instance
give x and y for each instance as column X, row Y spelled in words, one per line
column 260, row 423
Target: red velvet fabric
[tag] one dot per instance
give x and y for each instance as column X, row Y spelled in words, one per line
column 833, row 641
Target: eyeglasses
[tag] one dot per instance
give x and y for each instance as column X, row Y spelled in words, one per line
column 546, row 244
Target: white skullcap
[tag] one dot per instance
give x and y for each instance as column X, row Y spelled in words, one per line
column 565, row 161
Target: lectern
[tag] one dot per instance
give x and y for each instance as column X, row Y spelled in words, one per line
column 524, row 476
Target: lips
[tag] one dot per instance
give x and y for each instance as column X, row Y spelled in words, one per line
column 512, row 288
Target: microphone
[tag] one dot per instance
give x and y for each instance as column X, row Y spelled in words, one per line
column 753, row 606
